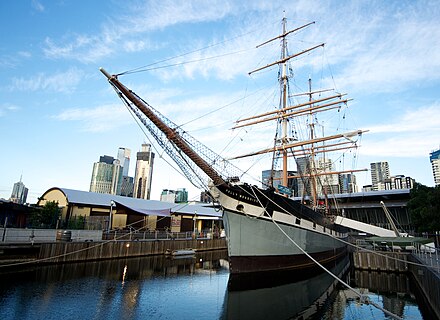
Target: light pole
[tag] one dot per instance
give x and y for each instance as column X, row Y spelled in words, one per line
column 194, row 227
column 112, row 204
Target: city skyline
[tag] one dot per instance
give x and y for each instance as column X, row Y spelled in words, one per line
column 58, row 113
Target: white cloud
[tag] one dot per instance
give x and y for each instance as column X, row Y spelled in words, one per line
column 37, row 5
column 25, row 54
column 6, row 108
column 99, row 119
column 64, row 82
column 413, row 134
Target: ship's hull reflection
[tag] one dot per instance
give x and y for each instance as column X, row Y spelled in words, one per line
column 282, row 295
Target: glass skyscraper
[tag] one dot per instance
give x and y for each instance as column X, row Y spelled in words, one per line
column 106, row 176
column 144, row 172
column 434, row 157
column 19, row 193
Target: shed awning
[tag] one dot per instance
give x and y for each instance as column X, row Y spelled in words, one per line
column 161, row 209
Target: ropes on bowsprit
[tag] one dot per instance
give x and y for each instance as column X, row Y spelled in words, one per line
column 363, row 298
column 150, row 66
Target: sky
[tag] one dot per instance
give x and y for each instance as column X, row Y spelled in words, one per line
column 58, row 113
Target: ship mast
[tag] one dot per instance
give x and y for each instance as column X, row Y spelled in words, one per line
column 283, row 79
column 284, row 102
column 285, row 146
column 312, row 152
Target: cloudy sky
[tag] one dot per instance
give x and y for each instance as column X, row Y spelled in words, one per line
column 58, row 114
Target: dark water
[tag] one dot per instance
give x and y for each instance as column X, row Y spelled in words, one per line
column 192, row 288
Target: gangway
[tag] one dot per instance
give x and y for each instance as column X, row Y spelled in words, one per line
column 364, row 227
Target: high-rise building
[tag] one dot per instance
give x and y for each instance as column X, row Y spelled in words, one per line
column 434, row 157
column 399, row 182
column 327, row 183
column 124, row 159
column 143, row 173
column 168, row 196
column 347, row 181
column 106, row 176
column 380, row 175
column 127, row 186
column 181, row 195
column 266, row 176
column 19, row 193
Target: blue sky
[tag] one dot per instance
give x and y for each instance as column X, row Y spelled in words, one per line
column 58, row 114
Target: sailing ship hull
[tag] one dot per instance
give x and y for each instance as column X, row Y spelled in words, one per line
column 256, row 243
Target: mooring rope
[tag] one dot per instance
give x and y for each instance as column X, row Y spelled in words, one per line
column 363, row 298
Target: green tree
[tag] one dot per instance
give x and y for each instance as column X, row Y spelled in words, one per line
column 424, row 207
column 46, row 216
column 77, row 222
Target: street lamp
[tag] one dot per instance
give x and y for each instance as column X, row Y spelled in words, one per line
column 112, row 204
column 194, row 226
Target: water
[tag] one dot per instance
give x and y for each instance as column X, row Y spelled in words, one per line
column 187, row 288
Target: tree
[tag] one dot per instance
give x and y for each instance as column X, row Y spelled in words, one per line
column 46, row 216
column 424, row 207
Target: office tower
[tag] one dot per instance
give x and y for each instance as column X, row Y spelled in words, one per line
column 127, row 186
column 106, row 176
column 434, row 157
column 400, row 182
column 303, row 168
column 347, row 182
column 124, row 159
column 380, row 175
column 292, row 183
column 181, row 195
column 19, row 193
column 143, row 172
column 327, row 183
column 127, row 183
column 168, row 196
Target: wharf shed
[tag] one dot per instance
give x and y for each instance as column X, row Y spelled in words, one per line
column 100, row 211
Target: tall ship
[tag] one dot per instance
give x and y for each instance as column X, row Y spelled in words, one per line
column 280, row 225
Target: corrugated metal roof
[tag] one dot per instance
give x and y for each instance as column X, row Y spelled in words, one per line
column 139, row 205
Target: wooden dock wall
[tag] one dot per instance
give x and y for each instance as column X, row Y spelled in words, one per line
column 61, row 252
column 386, row 261
column 428, row 281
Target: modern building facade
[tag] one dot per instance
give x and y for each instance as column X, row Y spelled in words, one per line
column 380, row 174
column 347, row 182
column 175, row 196
column 143, row 173
column 106, row 176
column 127, row 186
column 266, row 176
column 434, row 157
column 19, row 193
column 124, row 160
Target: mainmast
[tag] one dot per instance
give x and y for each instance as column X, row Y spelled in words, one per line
column 312, row 163
column 285, row 146
column 283, row 81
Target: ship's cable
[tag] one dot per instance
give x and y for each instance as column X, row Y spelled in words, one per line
column 353, row 245
column 363, row 298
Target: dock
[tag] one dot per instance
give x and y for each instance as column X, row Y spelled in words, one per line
column 66, row 252
column 423, row 267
